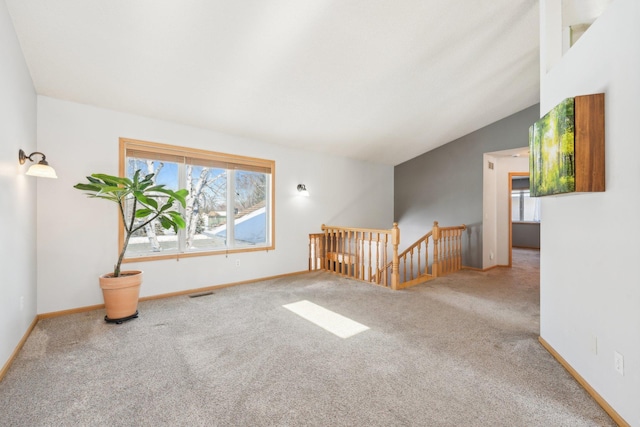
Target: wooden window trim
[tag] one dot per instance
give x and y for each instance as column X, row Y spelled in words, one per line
column 232, row 161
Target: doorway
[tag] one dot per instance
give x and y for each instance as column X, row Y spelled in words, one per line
column 524, row 215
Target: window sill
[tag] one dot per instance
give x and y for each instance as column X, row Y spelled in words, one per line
column 197, row 254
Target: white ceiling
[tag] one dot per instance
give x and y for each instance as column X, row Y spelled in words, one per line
column 378, row 80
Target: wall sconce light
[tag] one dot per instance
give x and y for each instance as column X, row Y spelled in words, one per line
column 302, row 189
column 41, row 169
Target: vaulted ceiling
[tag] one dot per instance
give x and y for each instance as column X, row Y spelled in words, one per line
column 377, row 80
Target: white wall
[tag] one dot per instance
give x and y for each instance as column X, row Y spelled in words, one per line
column 495, row 206
column 17, row 192
column 590, row 290
column 489, row 211
column 505, row 166
column 77, row 237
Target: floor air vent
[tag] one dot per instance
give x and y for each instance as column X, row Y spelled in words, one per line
column 201, row 294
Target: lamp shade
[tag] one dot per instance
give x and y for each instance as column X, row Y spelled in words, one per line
column 43, row 171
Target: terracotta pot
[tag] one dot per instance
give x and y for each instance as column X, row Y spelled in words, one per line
column 121, row 294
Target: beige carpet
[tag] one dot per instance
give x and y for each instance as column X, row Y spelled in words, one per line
column 460, row 350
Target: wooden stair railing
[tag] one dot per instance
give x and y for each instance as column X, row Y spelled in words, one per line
column 372, row 255
column 413, row 263
column 358, row 253
column 447, row 249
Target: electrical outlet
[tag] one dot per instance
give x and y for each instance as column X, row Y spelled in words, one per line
column 594, row 345
column 618, row 363
column 237, row 263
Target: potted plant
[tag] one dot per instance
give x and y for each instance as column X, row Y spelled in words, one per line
column 140, row 201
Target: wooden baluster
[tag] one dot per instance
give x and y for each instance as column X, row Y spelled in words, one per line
column 395, row 241
column 419, row 259
column 378, row 254
column 356, row 258
column 381, row 249
column 450, row 237
column 338, row 266
column 460, row 250
column 455, row 250
column 326, row 248
column 451, row 243
column 337, row 262
column 334, row 250
column 362, row 257
column 454, row 261
column 442, row 255
column 323, row 249
column 404, row 269
column 341, row 252
column 356, row 254
column 448, row 252
column 347, row 257
column 385, row 280
column 347, row 252
column 426, row 255
column 352, row 254
column 447, row 249
column 329, row 250
column 320, row 256
column 370, row 260
column 445, row 252
column 454, row 240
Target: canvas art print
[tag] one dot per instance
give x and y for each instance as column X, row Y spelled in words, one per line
column 551, row 145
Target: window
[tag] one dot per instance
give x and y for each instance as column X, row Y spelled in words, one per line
column 523, row 207
column 229, row 208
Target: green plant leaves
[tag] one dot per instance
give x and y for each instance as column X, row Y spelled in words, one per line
column 151, row 202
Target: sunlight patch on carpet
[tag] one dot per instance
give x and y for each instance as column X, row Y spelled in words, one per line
column 326, row 319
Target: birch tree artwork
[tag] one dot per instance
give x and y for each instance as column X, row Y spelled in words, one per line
column 552, row 158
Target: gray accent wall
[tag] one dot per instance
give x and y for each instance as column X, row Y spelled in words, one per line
column 445, row 184
column 525, row 235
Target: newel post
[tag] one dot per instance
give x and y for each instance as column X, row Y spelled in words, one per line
column 435, row 232
column 395, row 241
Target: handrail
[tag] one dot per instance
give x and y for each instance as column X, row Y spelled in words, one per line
column 419, row 273
column 363, row 254
column 416, row 244
column 367, row 230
